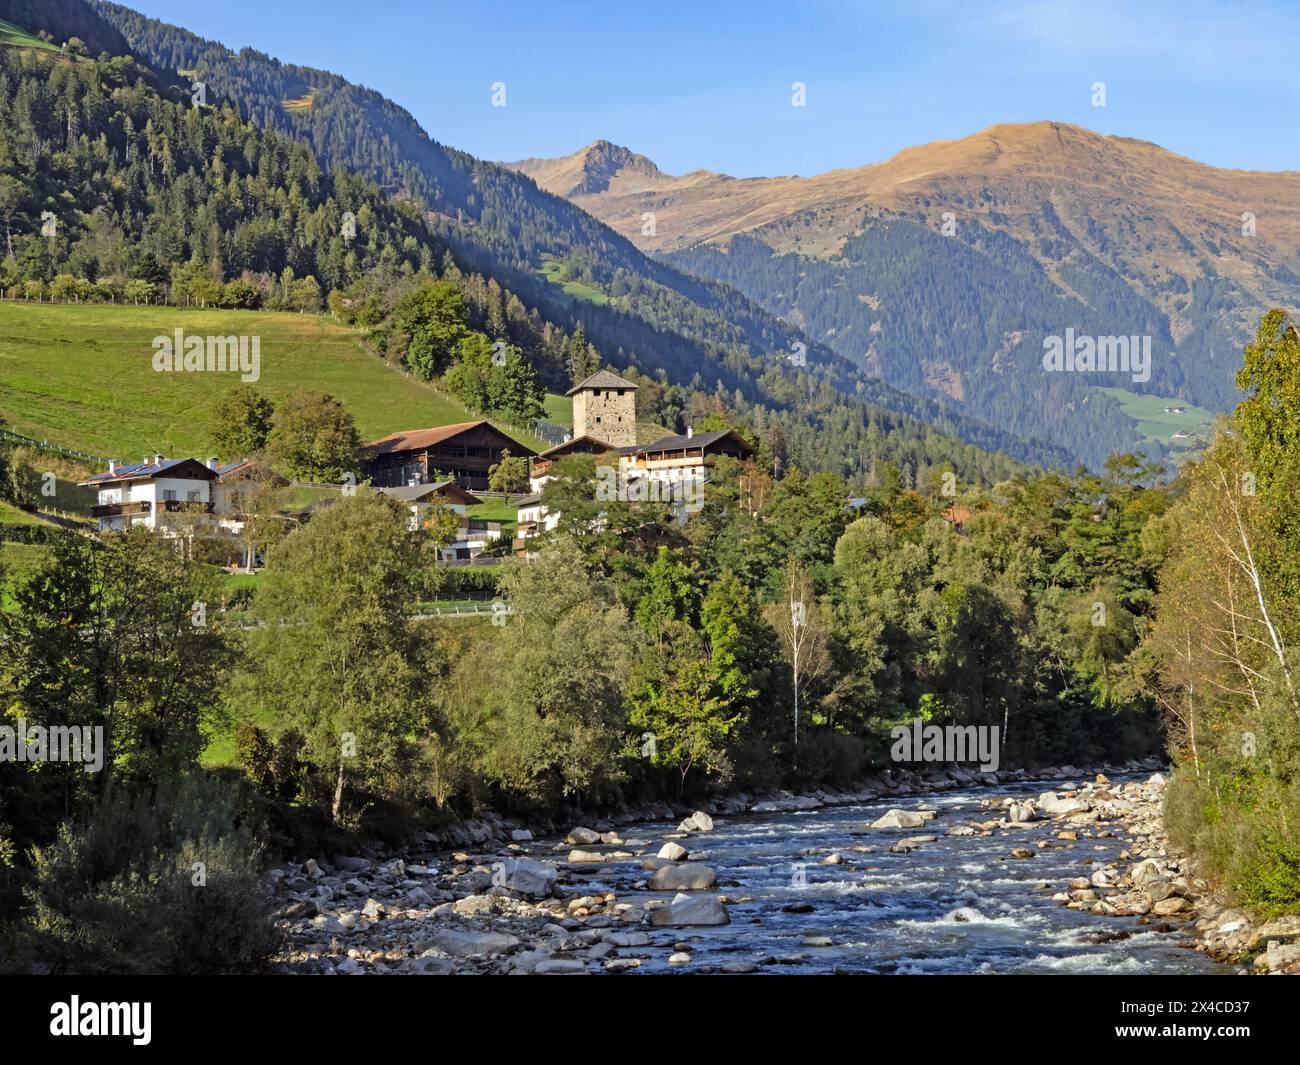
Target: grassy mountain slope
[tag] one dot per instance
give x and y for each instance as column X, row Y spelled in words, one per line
column 63, row 19
column 82, row 376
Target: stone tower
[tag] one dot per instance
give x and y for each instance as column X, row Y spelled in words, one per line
column 604, row 407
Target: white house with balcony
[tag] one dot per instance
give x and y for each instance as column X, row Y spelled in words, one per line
column 159, row 493
column 473, row 535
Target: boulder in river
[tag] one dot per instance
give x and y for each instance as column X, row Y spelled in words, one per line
column 903, row 819
column 1055, row 806
column 689, row 876
column 674, row 852
column 581, row 857
column 582, row 837
column 687, row 910
column 454, row 941
column 528, row 876
column 697, row 822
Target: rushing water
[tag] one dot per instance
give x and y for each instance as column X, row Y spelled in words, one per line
column 895, row 913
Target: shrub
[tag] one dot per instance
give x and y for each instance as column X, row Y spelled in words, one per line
column 166, row 881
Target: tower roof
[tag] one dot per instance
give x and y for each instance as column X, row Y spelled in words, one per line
column 601, row 379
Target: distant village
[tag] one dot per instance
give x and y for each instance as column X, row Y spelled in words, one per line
column 441, row 468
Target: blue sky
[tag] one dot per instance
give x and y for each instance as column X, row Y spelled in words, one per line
column 708, row 84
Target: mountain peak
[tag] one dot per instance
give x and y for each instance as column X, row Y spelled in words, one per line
column 590, row 170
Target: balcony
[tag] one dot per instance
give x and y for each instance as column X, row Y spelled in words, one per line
column 186, row 506
column 120, row 510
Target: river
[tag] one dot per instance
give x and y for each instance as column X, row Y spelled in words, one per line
column 960, row 904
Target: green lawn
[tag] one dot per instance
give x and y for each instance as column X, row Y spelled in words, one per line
column 20, row 38
column 495, row 510
column 1154, row 424
column 82, row 376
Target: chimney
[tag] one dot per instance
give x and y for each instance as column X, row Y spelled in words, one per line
column 690, row 431
column 212, row 463
column 112, row 465
column 158, row 459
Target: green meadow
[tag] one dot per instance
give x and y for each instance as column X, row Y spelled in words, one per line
column 1154, row 424
column 551, row 269
column 20, row 38
column 82, row 376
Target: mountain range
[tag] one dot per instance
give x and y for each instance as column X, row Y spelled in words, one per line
column 943, row 269
column 924, row 286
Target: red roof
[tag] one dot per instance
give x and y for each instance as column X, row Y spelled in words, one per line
column 411, row 439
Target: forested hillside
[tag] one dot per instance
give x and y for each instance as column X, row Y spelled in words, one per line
column 153, row 199
column 646, row 314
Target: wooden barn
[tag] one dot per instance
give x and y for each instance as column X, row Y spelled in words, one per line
column 463, row 452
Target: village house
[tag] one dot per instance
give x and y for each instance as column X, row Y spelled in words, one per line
column 237, row 488
column 579, row 445
column 159, row 493
column 675, row 468
column 532, row 519
column 473, row 535
column 464, row 452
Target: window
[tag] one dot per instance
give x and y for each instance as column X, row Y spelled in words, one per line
column 193, row 495
column 169, row 493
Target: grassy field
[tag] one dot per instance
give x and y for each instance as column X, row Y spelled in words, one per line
column 1155, row 424
column 11, row 515
column 82, row 376
column 578, row 290
column 559, row 409
column 302, row 103
column 20, row 38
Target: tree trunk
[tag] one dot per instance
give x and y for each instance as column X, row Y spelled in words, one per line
column 336, row 809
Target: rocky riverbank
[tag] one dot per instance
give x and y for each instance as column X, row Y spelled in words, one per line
column 488, row 897
column 1152, row 882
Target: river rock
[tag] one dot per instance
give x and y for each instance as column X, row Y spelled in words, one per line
column 527, row 876
column 674, row 852
column 430, row 963
column 521, row 835
column 1055, row 806
column 581, row 857
column 1279, row 957
column 582, row 837
column 697, row 822
column 1158, row 891
column 686, row 910
column 689, row 876
column 555, row 966
column 1020, row 813
column 903, row 819
column 463, row 944
column 1281, row 928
